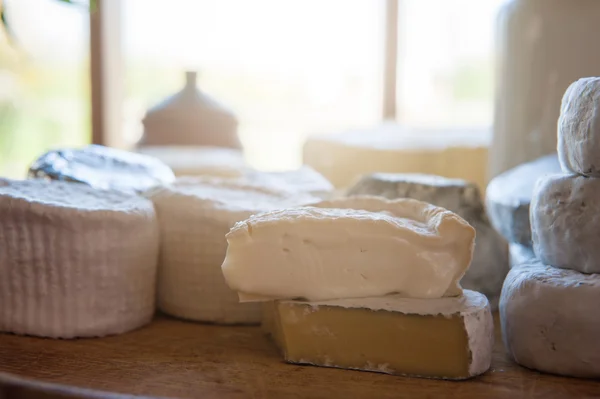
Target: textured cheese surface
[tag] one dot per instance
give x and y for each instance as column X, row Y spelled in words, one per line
column 343, row 158
column 449, row 338
column 509, row 195
column 565, row 215
column 75, row 261
column 191, row 161
column 195, row 214
column 549, row 319
column 490, row 259
column 349, row 248
column 579, row 128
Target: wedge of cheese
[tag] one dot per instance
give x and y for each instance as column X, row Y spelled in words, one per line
column 75, row 261
column 447, row 338
column 349, row 248
column 195, row 213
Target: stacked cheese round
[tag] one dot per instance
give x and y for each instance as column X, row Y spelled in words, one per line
column 195, row 214
column 343, row 158
column 75, row 261
column 547, row 323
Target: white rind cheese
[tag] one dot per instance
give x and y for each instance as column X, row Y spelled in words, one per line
column 579, row 128
column 195, row 214
column 549, row 319
column 565, row 215
column 349, row 248
column 75, row 261
column 490, row 259
column 302, row 180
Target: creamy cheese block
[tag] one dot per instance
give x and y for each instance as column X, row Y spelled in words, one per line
column 447, row 338
column 490, row 259
column 549, row 319
column 349, row 248
column 579, row 128
column 75, row 261
column 194, row 160
column 509, row 195
column 102, row 167
column 520, row 254
column 195, row 214
column 304, row 179
column 342, row 158
column 565, row 216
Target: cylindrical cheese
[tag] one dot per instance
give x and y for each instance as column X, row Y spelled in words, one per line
column 75, row 261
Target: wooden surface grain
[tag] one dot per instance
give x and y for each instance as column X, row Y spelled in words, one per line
column 172, row 358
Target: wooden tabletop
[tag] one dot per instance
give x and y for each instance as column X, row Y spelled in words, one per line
column 172, row 358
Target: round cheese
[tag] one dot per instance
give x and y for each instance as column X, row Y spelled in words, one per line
column 490, row 258
column 579, row 128
column 75, row 261
column 565, row 215
column 195, row 214
column 303, row 180
column 549, row 319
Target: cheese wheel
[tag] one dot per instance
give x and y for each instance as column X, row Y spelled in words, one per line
column 579, row 128
column 490, row 258
column 75, row 261
column 565, row 215
column 343, row 158
column 303, row 180
column 548, row 318
column 194, row 215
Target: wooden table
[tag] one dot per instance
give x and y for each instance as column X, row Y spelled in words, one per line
column 172, row 358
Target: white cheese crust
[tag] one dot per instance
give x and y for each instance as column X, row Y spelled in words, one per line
column 75, row 261
column 349, row 248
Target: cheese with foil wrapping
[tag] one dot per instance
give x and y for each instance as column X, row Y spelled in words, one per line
column 103, row 168
column 490, row 258
column 75, row 261
column 445, row 338
column 342, row 158
column 349, row 248
column 195, row 213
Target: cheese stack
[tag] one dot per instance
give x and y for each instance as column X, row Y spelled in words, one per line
column 343, row 158
column 548, row 304
column 365, row 283
column 75, row 261
column 195, row 213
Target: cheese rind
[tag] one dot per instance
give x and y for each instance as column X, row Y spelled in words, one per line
column 565, row 215
column 579, row 128
column 490, row 258
column 447, row 338
column 195, row 214
column 75, row 261
column 349, row 248
column 548, row 319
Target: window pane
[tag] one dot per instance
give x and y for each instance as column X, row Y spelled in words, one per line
column 287, row 68
column 44, row 96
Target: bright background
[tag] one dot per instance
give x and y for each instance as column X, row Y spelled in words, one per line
column 287, row 68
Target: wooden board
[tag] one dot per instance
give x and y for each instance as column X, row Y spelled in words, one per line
column 172, row 358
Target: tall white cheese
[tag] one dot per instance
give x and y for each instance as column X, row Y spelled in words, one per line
column 195, row 214
column 349, row 248
column 75, row 261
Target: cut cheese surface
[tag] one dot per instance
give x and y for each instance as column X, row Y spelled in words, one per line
column 349, row 248
column 195, row 214
column 75, row 261
column 447, row 338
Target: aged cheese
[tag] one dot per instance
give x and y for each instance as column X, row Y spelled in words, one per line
column 343, row 158
column 448, row 338
column 349, row 248
column 520, row 254
column 490, row 259
column 508, row 198
column 75, row 261
column 565, row 215
column 103, row 168
column 548, row 319
column 194, row 215
column 579, row 128
column 192, row 161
